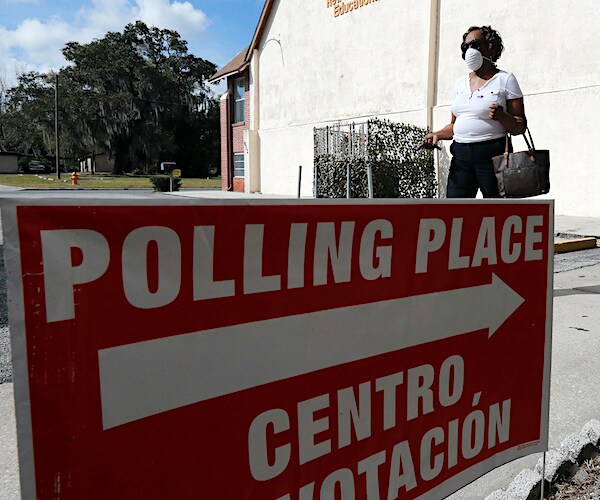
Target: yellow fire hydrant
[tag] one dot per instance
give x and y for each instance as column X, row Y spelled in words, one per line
column 74, row 178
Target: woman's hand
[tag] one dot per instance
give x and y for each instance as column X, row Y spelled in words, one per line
column 496, row 112
column 513, row 119
column 430, row 140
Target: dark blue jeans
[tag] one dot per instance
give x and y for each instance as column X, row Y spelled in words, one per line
column 472, row 169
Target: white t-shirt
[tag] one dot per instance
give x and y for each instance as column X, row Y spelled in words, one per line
column 471, row 108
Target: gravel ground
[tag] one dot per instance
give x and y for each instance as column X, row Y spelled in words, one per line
column 576, row 260
column 5, row 363
column 585, row 484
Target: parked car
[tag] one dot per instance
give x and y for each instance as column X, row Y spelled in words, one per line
column 36, row 166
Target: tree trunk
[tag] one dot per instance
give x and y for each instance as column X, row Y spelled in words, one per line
column 123, row 156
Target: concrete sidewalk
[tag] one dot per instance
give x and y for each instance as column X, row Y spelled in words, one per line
column 577, row 226
column 9, row 465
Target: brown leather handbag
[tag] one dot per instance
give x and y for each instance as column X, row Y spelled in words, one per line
column 524, row 173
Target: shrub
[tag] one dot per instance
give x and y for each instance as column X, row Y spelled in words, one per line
column 162, row 183
column 399, row 168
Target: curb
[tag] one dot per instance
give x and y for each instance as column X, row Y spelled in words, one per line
column 561, row 465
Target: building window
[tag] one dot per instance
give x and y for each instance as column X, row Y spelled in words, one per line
column 239, row 96
column 238, row 165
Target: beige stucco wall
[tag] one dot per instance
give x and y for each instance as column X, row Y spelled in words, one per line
column 9, row 164
column 104, row 163
column 316, row 69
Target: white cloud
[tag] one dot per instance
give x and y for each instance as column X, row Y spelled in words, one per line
column 104, row 15
column 37, row 44
column 39, row 40
column 180, row 16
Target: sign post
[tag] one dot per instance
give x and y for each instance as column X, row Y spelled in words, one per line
column 278, row 349
column 169, row 167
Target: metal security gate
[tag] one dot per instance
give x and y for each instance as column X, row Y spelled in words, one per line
column 343, row 143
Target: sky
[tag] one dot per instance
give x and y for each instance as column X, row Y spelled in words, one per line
column 33, row 32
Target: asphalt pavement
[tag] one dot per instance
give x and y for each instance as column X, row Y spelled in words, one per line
column 574, row 398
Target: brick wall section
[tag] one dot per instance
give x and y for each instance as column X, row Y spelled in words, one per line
column 238, row 184
column 225, row 153
column 238, row 137
column 237, row 133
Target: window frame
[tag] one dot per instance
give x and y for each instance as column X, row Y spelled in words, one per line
column 241, row 102
column 243, row 165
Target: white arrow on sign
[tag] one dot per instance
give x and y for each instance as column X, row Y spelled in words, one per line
column 146, row 378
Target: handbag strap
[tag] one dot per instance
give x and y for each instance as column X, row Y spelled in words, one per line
column 530, row 145
column 508, row 147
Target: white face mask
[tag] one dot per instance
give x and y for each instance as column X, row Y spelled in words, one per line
column 474, row 59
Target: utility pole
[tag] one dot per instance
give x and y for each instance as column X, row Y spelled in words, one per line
column 57, row 145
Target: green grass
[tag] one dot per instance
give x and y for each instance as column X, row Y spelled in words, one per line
column 49, row 181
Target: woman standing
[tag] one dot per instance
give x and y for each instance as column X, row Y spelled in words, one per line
column 487, row 104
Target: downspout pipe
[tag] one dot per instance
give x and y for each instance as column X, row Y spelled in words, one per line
column 432, row 67
column 255, row 181
column 228, row 137
column 256, row 85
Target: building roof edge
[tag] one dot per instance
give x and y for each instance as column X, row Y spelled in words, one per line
column 236, row 65
column 260, row 27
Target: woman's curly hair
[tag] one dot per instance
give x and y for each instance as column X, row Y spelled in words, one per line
column 493, row 39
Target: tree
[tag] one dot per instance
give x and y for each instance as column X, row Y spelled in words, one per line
column 137, row 95
column 26, row 121
column 141, row 84
column 198, row 142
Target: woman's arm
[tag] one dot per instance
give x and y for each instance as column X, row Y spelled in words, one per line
column 513, row 119
column 447, row 132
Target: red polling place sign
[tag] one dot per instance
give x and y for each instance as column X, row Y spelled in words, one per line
column 276, row 350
